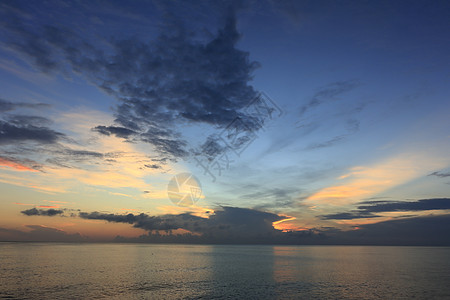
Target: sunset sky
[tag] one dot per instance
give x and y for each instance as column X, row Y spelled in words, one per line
column 341, row 110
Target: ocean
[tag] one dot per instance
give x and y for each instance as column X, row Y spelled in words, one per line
column 157, row 271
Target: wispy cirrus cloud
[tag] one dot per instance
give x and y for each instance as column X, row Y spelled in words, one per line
column 328, row 93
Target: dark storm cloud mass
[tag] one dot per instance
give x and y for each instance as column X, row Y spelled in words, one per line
column 368, row 209
column 176, row 79
column 42, row 212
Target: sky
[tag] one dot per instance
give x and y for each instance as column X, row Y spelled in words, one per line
column 265, row 122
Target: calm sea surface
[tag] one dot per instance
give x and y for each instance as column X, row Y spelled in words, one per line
column 143, row 271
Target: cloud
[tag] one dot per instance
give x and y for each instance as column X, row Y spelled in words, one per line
column 39, row 233
column 420, row 231
column 366, row 181
column 20, row 165
column 440, row 174
column 11, row 133
column 42, row 212
column 174, row 80
column 348, row 216
column 21, row 128
column 233, row 225
column 328, row 93
column 368, row 208
column 352, row 126
column 272, row 198
column 9, row 106
column 226, row 225
column 333, row 117
column 420, row 205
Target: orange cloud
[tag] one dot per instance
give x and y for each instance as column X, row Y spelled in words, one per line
column 362, row 182
column 15, row 165
column 284, row 225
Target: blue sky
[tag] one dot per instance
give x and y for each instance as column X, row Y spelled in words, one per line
column 104, row 102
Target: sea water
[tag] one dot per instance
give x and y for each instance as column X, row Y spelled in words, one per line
column 173, row 271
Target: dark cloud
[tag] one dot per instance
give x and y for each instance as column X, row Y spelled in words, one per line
column 39, row 233
column 233, row 225
column 177, row 79
column 11, row 133
column 152, row 166
column 417, row 231
column 114, row 130
column 440, row 174
column 420, row 205
column 24, row 128
column 42, row 212
column 329, row 93
column 9, row 106
column 368, row 208
column 227, row 225
column 349, row 216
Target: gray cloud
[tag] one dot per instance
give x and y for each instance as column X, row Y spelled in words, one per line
column 420, row 231
column 25, row 128
column 249, row 226
column 174, row 80
column 329, row 93
column 349, row 216
column 39, row 233
column 369, row 208
column 42, row 212
column 440, row 174
column 226, row 225
column 420, row 205
column 9, row 106
column 11, row 133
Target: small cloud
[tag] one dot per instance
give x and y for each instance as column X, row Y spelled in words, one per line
column 440, row 174
column 369, row 208
column 328, row 93
column 41, row 212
